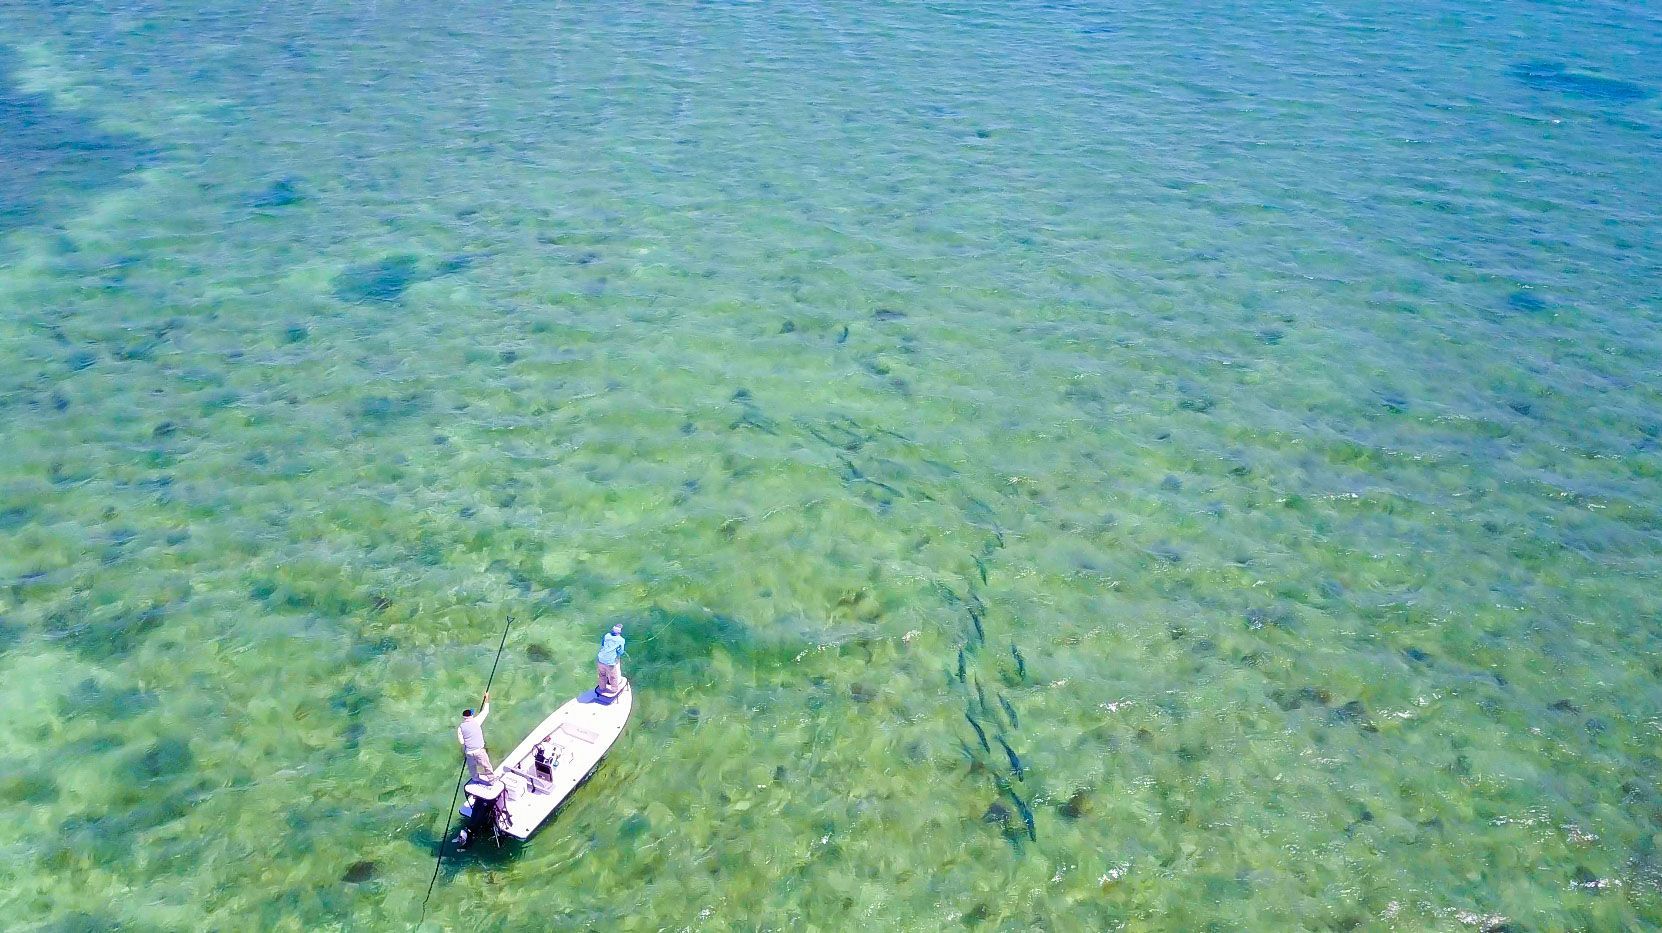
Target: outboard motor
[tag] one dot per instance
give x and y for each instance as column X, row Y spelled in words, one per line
column 483, row 814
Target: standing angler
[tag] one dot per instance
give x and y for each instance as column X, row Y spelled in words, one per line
column 471, row 733
column 611, row 651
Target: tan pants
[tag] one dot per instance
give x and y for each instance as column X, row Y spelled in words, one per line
column 479, row 766
column 610, row 678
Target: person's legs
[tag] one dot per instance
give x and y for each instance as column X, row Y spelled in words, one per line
column 610, row 681
column 479, row 766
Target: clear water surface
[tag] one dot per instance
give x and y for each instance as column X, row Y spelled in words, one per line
column 1062, row 465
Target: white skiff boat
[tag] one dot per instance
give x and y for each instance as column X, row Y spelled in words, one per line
column 557, row 756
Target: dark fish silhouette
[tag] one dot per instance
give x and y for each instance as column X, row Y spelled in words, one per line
column 1026, row 817
column 975, row 619
column 1015, row 761
column 960, row 665
column 855, row 474
column 1021, row 805
column 978, row 731
column 1021, row 663
column 981, row 696
column 1552, row 76
column 843, row 337
column 981, row 566
column 1009, row 711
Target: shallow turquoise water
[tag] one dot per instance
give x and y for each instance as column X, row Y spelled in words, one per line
column 1065, row 466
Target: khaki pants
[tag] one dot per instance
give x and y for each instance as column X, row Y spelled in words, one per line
column 479, row 766
column 610, row 678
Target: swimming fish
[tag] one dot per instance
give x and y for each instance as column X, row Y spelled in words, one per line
column 981, row 566
column 960, row 665
column 1026, row 817
column 981, row 695
column 975, row 619
column 1015, row 762
column 1005, row 787
column 1021, row 663
column 978, row 731
column 1009, row 711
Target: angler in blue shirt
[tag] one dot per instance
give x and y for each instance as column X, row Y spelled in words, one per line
column 607, row 663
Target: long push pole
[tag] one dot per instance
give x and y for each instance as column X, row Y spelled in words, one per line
column 451, row 812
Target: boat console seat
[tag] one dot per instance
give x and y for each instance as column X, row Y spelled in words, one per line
column 540, row 774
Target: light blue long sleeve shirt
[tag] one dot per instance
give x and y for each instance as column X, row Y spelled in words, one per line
column 610, row 647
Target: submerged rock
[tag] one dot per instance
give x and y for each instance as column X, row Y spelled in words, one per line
column 460, row 262
column 1166, row 553
column 384, row 280
column 1077, row 805
column 1355, row 713
column 281, row 193
column 108, row 703
column 1303, row 696
column 16, row 517
column 1526, row 302
column 163, row 759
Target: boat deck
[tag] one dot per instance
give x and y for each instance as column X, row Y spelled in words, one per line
column 577, row 735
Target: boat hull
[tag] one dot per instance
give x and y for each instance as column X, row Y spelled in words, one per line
column 577, row 736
